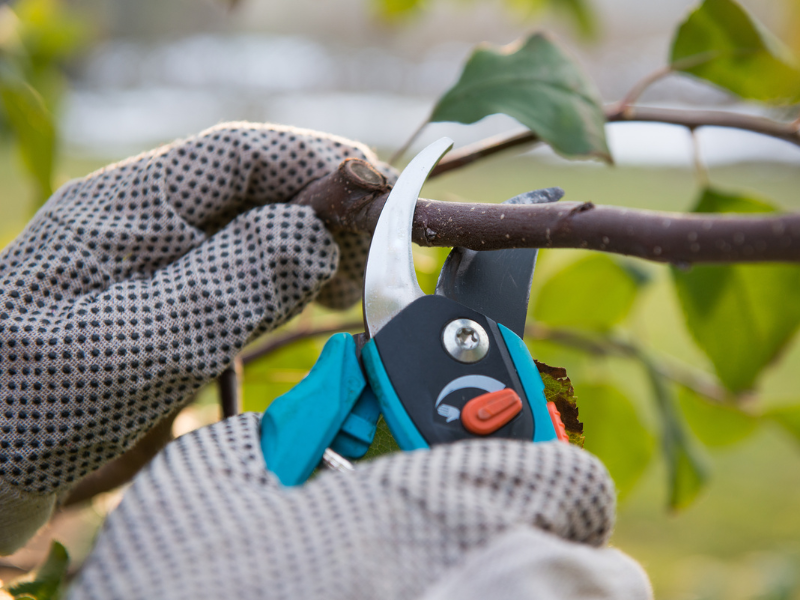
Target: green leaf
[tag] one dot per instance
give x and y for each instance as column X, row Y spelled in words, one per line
column 428, row 265
column 383, row 443
column 392, row 9
column 741, row 316
column 33, row 128
column 716, row 201
column 581, row 13
column 269, row 377
column 787, row 417
column 572, row 297
column 721, row 43
column 686, row 466
column 535, row 82
column 49, row 580
column 715, row 425
column 616, row 435
column 49, row 30
column 688, row 476
column 578, row 11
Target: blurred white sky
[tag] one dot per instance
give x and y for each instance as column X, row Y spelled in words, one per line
column 332, row 66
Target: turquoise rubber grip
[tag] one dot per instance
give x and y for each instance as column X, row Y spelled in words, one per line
column 395, row 415
column 299, row 425
column 543, row 430
column 358, row 429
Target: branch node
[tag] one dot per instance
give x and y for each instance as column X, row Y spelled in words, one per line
column 361, row 173
column 582, row 207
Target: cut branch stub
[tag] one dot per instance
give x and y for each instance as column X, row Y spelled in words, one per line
column 338, row 197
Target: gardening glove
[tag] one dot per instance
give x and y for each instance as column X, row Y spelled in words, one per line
column 474, row 519
column 134, row 286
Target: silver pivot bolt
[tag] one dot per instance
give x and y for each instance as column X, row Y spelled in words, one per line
column 465, row 340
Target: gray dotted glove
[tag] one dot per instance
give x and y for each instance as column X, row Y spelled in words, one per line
column 134, row 286
column 476, row 519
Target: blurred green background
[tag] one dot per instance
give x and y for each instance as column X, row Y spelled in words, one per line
column 120, row 77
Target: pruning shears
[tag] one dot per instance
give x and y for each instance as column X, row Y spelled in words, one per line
column 439, row 368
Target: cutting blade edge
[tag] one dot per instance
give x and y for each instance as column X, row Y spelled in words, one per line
column 390, row 283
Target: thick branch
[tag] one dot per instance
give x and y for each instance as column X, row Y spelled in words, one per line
column 677, row 238
column 693, row 119
column 343, row 193
column 682, row 239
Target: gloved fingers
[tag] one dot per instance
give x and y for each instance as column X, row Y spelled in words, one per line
column 72, row 252
column 140, row 214
column 88, row 375
column 206, row 518
column 529, row 564
column 554, row 486
column 346, row 287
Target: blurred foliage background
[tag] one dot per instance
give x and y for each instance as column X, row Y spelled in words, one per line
column 688, row 380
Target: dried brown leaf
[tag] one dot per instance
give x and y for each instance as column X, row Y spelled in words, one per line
column 558, row 389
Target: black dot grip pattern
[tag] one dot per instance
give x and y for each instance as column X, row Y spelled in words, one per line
column 137, row 284
column 207, row 520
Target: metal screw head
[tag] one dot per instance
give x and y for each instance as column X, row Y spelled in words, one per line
column 465, row 340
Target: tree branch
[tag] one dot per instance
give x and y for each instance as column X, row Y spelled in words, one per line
column 276, row 343
column 230, row 393
column 693, row 119
column 469, row 154
column 640, row 86
column 612, row 346
column 681, row 239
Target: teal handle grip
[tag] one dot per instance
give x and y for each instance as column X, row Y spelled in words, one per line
column 358, row 429
column 543, row 430
column 299, row 425
column 400, row 424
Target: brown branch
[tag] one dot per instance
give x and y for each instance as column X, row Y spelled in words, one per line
column 469, row 154
column 402, row 149
column 681, row 239
column 278, row 342
column 230, row 393
column 343, row 193
column 640, row 86
column 693, row 119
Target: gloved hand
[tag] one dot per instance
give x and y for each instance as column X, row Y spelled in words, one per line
column 134, row 286
column 475, row 520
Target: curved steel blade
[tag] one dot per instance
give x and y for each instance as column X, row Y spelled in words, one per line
column 496, row 283
column 390, row 283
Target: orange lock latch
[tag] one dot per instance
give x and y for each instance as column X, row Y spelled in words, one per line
column 487, row 413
